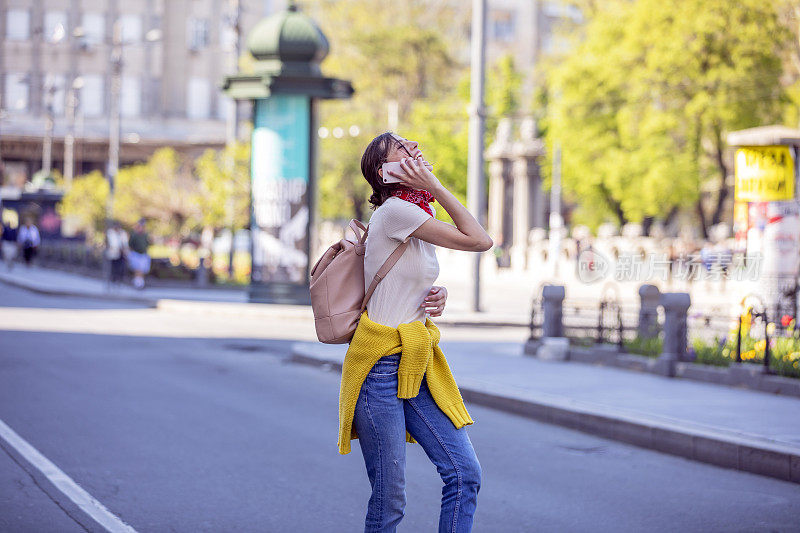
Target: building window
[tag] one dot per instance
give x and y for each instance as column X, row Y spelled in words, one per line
column 55, row 26
column 503, row 26
column 197, row 34
column 131, row 28
column 91, row 99
column 55, row 88
column 554, row 44
column 16, row 92
column 224, row 106
column 198, row 101
column 18, row 25
column 560, row 10
column 227, row 36
column 131, row 96
column 93, row 26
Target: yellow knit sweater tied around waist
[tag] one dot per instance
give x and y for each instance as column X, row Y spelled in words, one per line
column 420, row 357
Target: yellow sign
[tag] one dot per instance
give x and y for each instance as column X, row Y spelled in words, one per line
column 764, row 174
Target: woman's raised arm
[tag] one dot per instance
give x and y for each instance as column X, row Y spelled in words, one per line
column 467, row 234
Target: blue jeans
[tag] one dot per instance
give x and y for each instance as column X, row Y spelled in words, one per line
column 381, row 420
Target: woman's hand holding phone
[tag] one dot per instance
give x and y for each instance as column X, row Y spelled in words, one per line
column 417, row 175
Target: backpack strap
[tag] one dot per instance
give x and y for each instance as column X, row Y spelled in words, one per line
column 356, row 225
column 387, row 266
column 330, row 253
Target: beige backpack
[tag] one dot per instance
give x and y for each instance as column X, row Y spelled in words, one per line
column 337, row 286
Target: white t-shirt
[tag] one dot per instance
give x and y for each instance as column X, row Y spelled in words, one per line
column 116, row 242
column 397, row 298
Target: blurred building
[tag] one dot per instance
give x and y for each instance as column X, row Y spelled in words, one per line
column 57, row 81
column 529, row 30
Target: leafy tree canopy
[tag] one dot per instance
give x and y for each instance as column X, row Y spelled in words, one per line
column 642, row 104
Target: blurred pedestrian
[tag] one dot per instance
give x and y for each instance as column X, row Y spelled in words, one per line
column 396, row 384
column 28, row 239
column 138, row 259
column 10, row 245
column 116, row 251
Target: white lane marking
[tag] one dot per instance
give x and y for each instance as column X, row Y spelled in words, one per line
column 64, row 483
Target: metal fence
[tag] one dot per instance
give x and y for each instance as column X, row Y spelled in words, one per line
column 90, row 261
column 588, row 321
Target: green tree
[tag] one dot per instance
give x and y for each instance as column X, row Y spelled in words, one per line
column 503, row 85
column 642, row 105
column 224, row 187
column 162, row 190
column 84, row 204
column 396, row 54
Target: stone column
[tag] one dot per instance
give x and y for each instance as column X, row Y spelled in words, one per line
column 527, row 152
column 675, row 304
column 499, row 157
column 649, row 296
column 496, row 198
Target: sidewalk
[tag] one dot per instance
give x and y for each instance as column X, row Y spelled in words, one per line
column 733, row 428
column 231, row 302
column 61, row 283
column 505, row 297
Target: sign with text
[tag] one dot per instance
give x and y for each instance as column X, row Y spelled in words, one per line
column 764, row 173
column 280, row 180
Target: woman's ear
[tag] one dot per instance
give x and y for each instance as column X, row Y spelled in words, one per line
column 380, row 171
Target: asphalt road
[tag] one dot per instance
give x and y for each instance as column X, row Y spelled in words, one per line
column 198, row 423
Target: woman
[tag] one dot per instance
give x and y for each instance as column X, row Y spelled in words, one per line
column 396, row 384
column 138, row 259
column 116, row 251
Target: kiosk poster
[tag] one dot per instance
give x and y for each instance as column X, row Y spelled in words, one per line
column 280, row 176
column 764, row 174
column 774, row 232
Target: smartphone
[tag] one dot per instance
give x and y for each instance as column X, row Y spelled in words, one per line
column 395, row 167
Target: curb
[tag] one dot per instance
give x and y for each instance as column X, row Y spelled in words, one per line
column 150, row 302
column 705, row 444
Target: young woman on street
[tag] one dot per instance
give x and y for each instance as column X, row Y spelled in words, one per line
column 396, row 384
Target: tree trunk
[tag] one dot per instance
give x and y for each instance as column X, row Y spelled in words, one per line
column 358, row 207
column 723, row 170
column 615, row 206
column 701, row 216
column 230, row 255
column 647, row 224
column 671, row 215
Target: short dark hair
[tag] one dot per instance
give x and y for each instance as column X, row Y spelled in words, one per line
column 374, row 156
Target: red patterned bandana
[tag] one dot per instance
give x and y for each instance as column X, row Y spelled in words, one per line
column 416, row 196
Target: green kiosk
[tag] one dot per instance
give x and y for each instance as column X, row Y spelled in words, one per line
column 284, row 85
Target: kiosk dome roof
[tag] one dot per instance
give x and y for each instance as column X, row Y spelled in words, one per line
column 288, row 36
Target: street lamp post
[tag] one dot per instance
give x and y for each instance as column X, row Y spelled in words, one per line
column 115, row 111
column 234, row 21
column 114, row 121
column 69, row 138
column 556, row 220
column 477, row 114
column 47, row 143
column 49, row 95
